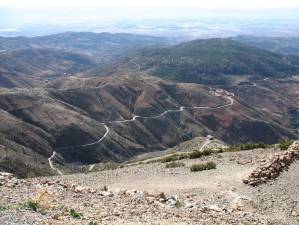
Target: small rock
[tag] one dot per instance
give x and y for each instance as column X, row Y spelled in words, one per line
column 190, row 205
column 107, row 193
column 170, row 202
column 79, row 189
column 215, row 208
column 242, row 203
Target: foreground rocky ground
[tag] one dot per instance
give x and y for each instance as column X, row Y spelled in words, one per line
column 153, row 194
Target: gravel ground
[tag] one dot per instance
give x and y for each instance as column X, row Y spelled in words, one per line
column 134, row 195
column 280, row 198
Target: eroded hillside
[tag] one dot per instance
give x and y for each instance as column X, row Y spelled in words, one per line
column 92, row 120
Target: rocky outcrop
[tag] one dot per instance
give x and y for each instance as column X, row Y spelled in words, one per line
column 271, row 170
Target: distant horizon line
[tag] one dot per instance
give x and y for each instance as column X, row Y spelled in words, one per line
column 148, row 35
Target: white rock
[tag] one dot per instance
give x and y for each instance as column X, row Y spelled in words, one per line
column 171, row 202
column 107, row 193
column 242, row 203
column 190, row 205
column 215, row 208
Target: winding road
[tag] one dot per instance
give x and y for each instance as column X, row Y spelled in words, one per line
column 51, row 163
column 206, row 143
column 181, row 109
column 101, row 139
column 227, row 95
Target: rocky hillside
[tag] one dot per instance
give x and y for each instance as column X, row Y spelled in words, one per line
column 276, row 97
column 92, row 120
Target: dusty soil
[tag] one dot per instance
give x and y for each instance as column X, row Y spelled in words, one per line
column 207, row 197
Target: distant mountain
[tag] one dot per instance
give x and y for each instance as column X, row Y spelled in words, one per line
column 206, row 61
column 32, row 67
column 209, row 60
column 102, row 46
column 281, row 45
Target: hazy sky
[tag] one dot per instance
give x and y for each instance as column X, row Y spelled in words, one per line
column 17, row 13
column 203, row 4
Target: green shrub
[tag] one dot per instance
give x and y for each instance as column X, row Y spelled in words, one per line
column 93, row 223
column 30, row 204
column 203, row 166
column 197, row 167
column 174, row 157
column 2, row 208
column 174, row 164
column 195, row 154
column 75, row 214
column 110, row 166
column 198, row 154
column 244, row 147
column 191, row 155
column 211, row 165
column 285, row 144
column 207, row 152
column 152, row 161
column 248, row 146
column 169, row 158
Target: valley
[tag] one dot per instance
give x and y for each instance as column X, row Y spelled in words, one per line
column 66, row 111
column 103, row 128
column 62, row 124
column 129, row 112
column 229, row 96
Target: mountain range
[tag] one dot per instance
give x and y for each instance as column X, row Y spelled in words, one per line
column 103, row 47
column 35, row 66
column 210, row 60
column 56, row 106
column 280, row 45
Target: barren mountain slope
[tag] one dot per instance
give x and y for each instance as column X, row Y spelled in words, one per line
column 104, row 47
column 91, row 120
column 34, row 67
column 279, row 98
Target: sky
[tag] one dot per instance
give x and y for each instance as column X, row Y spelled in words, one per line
column 20, row 13
column 201, row 4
